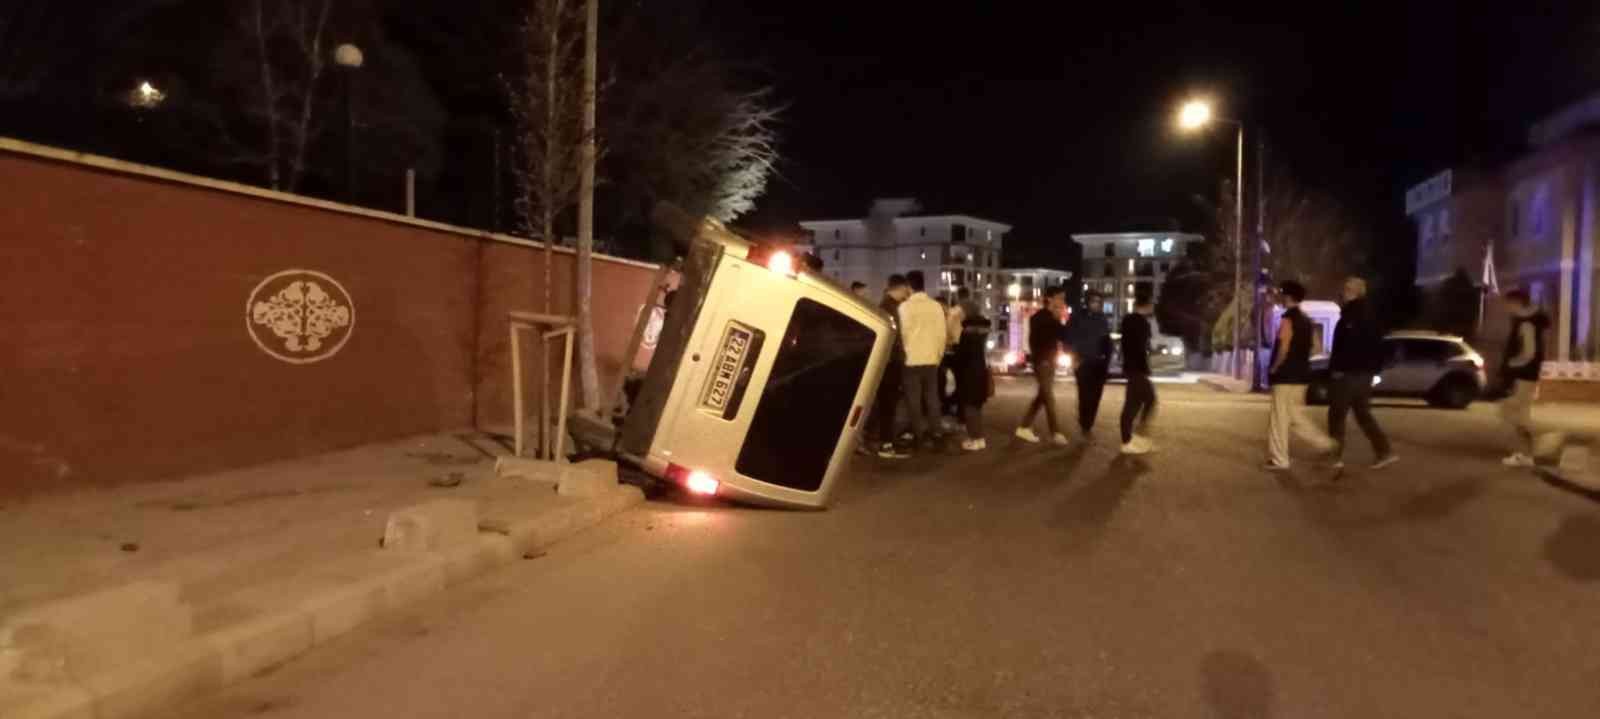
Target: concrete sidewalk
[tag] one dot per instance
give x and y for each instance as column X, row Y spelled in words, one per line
column 115, row 602
column 1222, row 382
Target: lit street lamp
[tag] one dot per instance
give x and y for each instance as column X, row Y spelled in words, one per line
column 350, row 58
column 1193, row 116
column 146, row 96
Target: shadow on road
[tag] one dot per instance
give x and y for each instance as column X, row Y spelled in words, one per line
column 1340, row 504
column 1238, row 686
column 1092, row 505
column 1571, row 548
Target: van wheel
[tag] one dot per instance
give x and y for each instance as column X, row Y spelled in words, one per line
column 1453, row 393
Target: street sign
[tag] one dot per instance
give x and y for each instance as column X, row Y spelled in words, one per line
column 1431, row 190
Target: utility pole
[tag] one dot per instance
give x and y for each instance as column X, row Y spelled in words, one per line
column 1259, row 309
column 1238, row 247
column 587, row 372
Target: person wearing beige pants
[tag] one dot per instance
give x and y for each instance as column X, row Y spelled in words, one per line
column 1290, row 415
column 1523, row 364
column 1291, row 373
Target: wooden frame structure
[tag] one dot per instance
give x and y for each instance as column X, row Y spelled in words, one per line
column 548, row 327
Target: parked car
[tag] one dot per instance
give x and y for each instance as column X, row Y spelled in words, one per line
column 1442, row 369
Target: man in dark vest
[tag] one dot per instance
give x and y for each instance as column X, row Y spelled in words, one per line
column 1524, row 359
column 1357, row 358
column 1290, row 373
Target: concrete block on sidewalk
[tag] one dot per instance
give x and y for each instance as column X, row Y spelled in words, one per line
column 590, row 478
column 432, row 526
column 88, row 634
column 533, row 470
column 261, row 644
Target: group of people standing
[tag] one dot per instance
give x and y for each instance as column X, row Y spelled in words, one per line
column 928, row 329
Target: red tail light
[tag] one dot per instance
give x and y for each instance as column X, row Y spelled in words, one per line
column 696, row 481
column 702, row 483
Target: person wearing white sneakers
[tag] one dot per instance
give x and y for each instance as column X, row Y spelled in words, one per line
column 1139, row 403
column 1044, row 343
column 1524, row 360
column 1290, row 373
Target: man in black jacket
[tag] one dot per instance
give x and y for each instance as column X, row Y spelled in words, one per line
column 1357, row 358
column 1089, row 339
column 881, row 425
column 1044, row 342
column 1139, row 405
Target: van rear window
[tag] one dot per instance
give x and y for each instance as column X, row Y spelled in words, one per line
column 807, row 398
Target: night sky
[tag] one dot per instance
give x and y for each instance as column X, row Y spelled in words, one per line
column 1037, row 114
column 1059, row 122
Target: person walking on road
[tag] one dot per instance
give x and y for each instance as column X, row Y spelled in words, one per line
column 1289, row 374
column 1524, row 360
column 1089, row 340
column 887, row 403
column 1357, row 358
column 923, row 330
column 1139, row 404
column 973, row 383
column 1044, row 342
column 859, row 289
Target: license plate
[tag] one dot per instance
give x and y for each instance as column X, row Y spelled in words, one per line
column 725, row 374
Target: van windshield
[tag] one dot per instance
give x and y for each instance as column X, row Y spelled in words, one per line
column 807, row 399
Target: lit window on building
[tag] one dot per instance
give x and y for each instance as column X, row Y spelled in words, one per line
column 1166, row 246
column 1130, row 267
column 1147, row 248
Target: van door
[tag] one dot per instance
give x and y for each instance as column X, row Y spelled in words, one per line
column 744, row 317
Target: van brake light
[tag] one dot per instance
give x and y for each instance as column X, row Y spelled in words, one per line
column 701, row 483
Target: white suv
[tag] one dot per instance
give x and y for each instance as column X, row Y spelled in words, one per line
column 1442, row 369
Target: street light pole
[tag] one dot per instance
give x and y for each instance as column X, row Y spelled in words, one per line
column 1238, row 250
column 350, row 58
column 1257, row 292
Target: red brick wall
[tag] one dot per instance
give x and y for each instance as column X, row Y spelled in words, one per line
column 126, row 354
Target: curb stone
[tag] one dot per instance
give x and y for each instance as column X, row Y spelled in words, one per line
column 208, row 663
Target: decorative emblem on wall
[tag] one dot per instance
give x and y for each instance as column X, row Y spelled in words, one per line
column 300, row 316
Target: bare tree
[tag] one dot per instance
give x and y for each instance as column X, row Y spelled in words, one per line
column 286, row 47
column 545, row 102
column 1311, row 238
column 690, row 135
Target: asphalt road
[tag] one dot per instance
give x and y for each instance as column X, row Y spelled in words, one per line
column 1029, row 582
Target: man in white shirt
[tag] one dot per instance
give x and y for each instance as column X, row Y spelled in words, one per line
column 925, row 335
